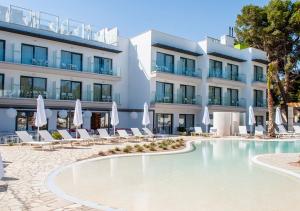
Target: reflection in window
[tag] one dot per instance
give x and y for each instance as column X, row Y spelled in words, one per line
column 70, row 90
column 103, row 92
column 32, row 87
column 34, row 55
column 102, row 65
column 25, row 121
column 71, row 60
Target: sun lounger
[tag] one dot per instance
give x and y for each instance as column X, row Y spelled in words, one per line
column 103, row 134
column 259, row 130
column 197, row 131
column 137, row 133
column 283, row 132
column 86, row 136
column 67, row 137
column 243, row 131
column 297, row 129
column 27, row 139
column 123, row 134
column 46, row 136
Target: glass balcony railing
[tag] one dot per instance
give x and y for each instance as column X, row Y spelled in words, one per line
column 158, row 98
column 196, row 100
column 227, row 101
column 57, row 95
column 260, row 78
column 260, row 104
column 177, row 70
column 226, row 75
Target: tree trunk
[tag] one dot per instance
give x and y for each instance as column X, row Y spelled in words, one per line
column 272, row 70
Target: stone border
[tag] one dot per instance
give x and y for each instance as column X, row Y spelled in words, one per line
column 56, row 190
column 256, row 160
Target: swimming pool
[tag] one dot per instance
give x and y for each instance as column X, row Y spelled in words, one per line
column 215, row 175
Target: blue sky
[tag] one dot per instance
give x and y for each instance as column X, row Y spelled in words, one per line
column 192, row 19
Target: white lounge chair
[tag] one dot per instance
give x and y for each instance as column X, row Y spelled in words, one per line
column 123, row 134
column 103, row 134
column 85, row 135
column 283, row 132
column 137, row 133
column 198, row 131
column 243, row 131
column 259, row 130
column 297, row 129
column 27, row 139
column 67, row 137
column 46, row 136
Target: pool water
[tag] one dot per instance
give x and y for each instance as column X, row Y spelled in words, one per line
column 214, row 176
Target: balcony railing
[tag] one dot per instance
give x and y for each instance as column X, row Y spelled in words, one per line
column 57, row 95
column 260, row 104
column 226, row 75
column 176, row 70
column 227, row 101
column 158, row 98
column 260, row 78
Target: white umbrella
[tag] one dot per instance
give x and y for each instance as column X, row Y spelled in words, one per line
column 114, row 121
column 40, row 116
column 1, row 168
column 77, row 120
column 206, row 119
column 146, row 119
column 278, row 118
column 251, row 121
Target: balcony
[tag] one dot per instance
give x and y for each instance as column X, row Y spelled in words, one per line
column 196, row 73
column 157, row 98
column 227, row 101
column 260, row 104
column 225, row 75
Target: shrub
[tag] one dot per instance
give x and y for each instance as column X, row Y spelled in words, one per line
column 101, row 153
column 127, row 149
column 146, row 145
column 117, row 149
column 152, row 149
column 140, row 149
column 152, row 144
column 174, row 146
column 136, row 146
column 112, row 151
column 56, row 135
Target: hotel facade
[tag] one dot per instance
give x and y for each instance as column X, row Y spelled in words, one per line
column 65, row 60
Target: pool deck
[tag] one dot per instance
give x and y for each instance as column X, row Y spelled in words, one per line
column 26, row 171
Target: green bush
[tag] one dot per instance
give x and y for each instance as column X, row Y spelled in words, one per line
column 146, row 145
column 56, row 136
column 152, row 149
column 140, row 149
column 136, row 146
column 127, row 149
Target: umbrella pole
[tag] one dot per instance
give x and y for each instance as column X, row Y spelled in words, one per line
column 37, row 135
column 206, row 128
column 76, row 132
column 114, row 130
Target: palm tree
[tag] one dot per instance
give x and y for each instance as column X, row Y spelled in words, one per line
column 272, row 70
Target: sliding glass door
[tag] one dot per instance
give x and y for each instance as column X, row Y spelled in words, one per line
column 164, row 123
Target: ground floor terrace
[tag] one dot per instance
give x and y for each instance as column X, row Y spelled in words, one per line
column 25, row 186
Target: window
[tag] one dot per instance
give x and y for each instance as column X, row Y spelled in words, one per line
column 71, row 60
column 165, row 62
column 259, row 120
column 25, row 121
column 103, row 92
column 164, row 92
column 187, row 65
column 258, row 98
column 32, row 87
column 70, row 90
column 232, row 72
column 187, row 94
column 164, row 123
column 100, row 120
column 1, row 84
column 2, row 50
column 215, row 68
column 258, row 73
column 34, row 55
column 186, row 121
column 215, row 95
column 233, row 97
column 103, row 65
column 66, row 122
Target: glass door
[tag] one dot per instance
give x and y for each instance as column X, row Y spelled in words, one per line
column 164, row 123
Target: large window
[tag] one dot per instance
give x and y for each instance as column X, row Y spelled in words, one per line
column 1, row 84
column 164, row 62
column 103, row 65
column 258, row 73
column 187, row 94
column 164, row 92
column 233, row 97
column 71, row 60
column 258, row 98
column 32, row 87
column 65, row 122
column 215, row 95
column 232, row 72
column 70, row 90
column 215, row 68
column 187, row 65
column 34, row 55
column 100, row 120
column 103, row 92
column 259, row 120
column 186, row 121
column 2, row 50
column 25, row 121
column 164, row 123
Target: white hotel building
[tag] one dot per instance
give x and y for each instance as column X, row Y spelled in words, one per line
column 65, row 60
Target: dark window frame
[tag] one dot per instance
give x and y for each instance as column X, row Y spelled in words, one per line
column 257, row 76
column 164, row 90
column 164, row 125
column 34, row 46
column 101, row 85
column 185, row 117
column 71, row 88
column 185, row 62
column 2, row 82
column 103, row 58
column 214, row 93
column 165, row 60
column 230, row 75
column 4, row 49
column 256, row 99
column 27, row 120
column 72, row 53
column 32, row 79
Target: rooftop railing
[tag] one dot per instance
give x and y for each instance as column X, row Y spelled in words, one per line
column 49, row 22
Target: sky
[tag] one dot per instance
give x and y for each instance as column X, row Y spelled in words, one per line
column 191, row 19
